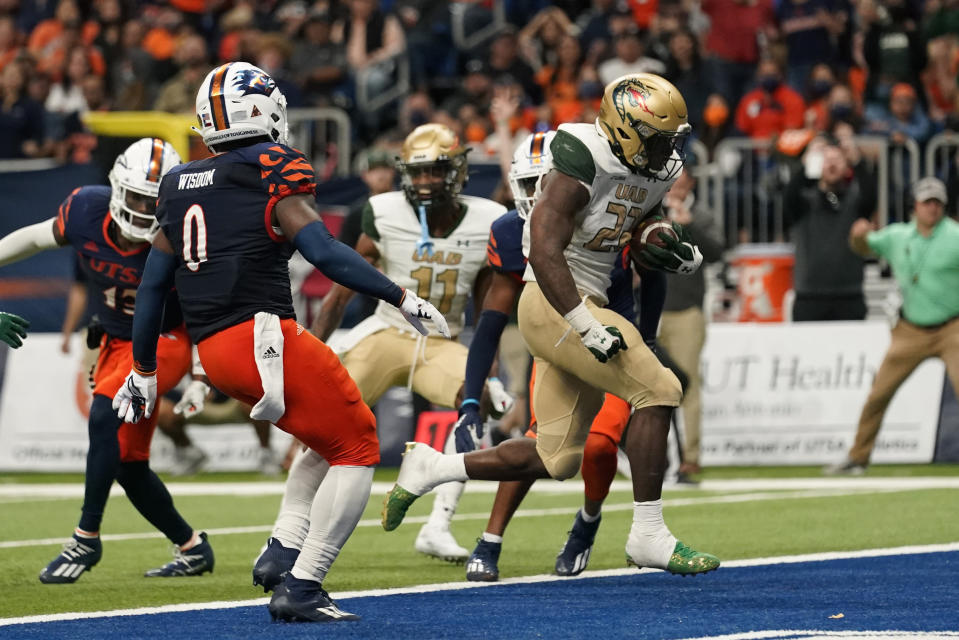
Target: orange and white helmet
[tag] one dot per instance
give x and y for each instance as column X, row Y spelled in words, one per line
column 135, row 185
column 238, row 100
column 531, row 161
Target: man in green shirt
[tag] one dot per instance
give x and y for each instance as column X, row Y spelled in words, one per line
column 13, row 329
column 924, row 256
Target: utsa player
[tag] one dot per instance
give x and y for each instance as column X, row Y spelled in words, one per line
column 228, row 226
column 110, row 229
column 531, row 162
column 605, row 178
column 428, row 237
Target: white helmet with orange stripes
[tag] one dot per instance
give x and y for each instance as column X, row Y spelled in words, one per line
column 135, row 185
column 531, row 161
column 238, row 100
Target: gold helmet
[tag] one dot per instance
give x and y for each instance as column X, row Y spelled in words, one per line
column 432, row 166
column 644, row 118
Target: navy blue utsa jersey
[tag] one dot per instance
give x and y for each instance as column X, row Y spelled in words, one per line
column 111, row 274
column 504, row 253
column 216, row 213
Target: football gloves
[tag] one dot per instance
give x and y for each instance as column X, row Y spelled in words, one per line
column 13, row 329
column 468, row 430
column 193, row 399
column 500, row 399
column 136, row 398
column 416, row 309
column 603, row 342
column 679, row 256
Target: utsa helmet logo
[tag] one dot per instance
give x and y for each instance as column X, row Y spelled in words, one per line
column 250, row 81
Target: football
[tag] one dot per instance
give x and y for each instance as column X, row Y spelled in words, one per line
column 647, row 233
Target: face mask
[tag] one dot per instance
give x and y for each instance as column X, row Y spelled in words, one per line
column 715, row 115
column 418, row 117
column 769, row 83
column 820, row 88
column 840, row 112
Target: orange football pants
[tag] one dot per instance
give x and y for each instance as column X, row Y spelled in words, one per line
column 113, row 366
column 324, row 409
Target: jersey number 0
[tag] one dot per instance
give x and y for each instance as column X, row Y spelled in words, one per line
column 194, row 215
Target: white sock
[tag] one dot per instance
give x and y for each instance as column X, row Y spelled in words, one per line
column 337, row 508
column 450, row 468
column 444, row 504
column 650, row 544
column 588, row 518
column 489, row 537
column 293, row 522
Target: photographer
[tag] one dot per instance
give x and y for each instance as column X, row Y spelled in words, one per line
column 831, row 191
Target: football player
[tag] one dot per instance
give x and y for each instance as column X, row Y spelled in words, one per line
column 606, row 177
column 228, row 226
column 110, row 229
column 531, row 162
column 431, row 238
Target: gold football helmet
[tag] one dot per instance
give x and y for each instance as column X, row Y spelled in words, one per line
column 432, row 166
column 644, row 118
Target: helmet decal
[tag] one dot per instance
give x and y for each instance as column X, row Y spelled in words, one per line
column 154, row 170
column 636, row 93
column 254, row 80
column 536, row 148
column 218, row 98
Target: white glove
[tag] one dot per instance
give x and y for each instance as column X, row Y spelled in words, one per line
column 500, row 399
column 193, row 399
column 136, row 397
column 416, row 309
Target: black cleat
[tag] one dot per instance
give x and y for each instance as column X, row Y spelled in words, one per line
column 78, row 555
column 574, row 557
column 274, row 563
column 482, row 563
column 296, row 600
column 192, row 562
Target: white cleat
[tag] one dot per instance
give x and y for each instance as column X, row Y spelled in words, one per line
column 416, row 470
column 439, row 542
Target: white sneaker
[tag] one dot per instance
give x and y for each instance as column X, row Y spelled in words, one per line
column 439, row 542
column 187, row 461
column 267, row 464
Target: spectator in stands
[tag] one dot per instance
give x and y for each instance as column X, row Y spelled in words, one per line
column 318, row 63
column 682, row 329
column 51, row 39
column 734, row 42
column 504, row 59
column 539, row 40
column 939, row 79
column 372, row 39
column 924, row 260
column 810, row 29
column 560, row 81
column 903, row 119
column 817, row 88
column 475, row 90
column 178, row 94
column 716, row 121
column 21, row 118
column 770, row 108
column 132, row 80
column 9, row 40
column 821, row 203
column 66, row 96
column 686, row 70
column 892, row 46
column 109, row 17
column 273, row 53
column 629, row 58
column 842, row 108
column 594, row 34
column 429, row 38
column 291, row 16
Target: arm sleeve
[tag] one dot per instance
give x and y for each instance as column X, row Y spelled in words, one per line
column 151, row 296
column 482, row 351
column 344, row 266
column 572, row 157
column 652, row 297
column 26, row 242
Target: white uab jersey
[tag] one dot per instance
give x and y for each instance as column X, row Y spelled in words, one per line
column 446, row 278
column 618, row 200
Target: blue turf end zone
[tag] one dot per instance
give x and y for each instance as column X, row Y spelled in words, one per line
column 910, row 593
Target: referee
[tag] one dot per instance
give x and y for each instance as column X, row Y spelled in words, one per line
column 924, row 256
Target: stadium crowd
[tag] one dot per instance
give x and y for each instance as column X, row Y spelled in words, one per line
column 745, row 67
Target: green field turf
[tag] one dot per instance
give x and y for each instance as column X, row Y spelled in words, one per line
column 764, row 523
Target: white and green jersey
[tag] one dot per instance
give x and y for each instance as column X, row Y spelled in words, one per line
column 446, row 278
column 618, row 200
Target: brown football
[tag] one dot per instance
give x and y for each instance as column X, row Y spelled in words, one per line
column 647, row 233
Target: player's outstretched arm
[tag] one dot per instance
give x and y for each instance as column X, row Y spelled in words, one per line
column 30, row 240
column 335, row 301
column 137, row 397
column 341, row 264
column 552, row 225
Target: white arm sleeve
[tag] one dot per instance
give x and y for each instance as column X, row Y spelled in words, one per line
column 27, row 241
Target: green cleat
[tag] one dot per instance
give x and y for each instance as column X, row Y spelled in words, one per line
column 686, row 561
column 397, row 502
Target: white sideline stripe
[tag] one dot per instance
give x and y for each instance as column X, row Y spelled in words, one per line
column 800, row 634
column 521, row 513
column 455, row 586
column 75, row 490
